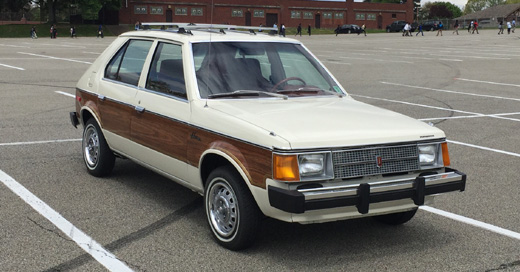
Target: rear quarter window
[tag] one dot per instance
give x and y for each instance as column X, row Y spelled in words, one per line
column 127, row 64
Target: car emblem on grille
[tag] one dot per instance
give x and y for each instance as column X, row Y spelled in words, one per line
column 379, row 161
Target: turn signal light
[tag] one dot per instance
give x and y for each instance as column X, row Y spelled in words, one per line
column 445, row 154
column 285, row 167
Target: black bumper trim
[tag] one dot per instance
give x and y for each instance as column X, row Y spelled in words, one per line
column 294, row 201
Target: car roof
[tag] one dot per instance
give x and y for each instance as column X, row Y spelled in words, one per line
column 206, row 36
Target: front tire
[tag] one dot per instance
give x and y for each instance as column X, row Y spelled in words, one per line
column 98, row 157
column 396, row 218
column 232, row 213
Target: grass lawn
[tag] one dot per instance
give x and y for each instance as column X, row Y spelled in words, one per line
column 43, row 30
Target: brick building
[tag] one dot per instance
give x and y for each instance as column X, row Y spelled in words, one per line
column 319, row 14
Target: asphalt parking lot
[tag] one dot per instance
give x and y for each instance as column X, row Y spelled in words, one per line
column 467, row 85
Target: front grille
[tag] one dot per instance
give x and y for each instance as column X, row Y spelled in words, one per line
column 363, row 162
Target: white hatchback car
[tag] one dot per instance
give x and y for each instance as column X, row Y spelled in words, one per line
column 258, row 126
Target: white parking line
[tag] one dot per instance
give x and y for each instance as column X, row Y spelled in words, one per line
column 473, row 222
column 471, row 116
column 486, row 148
column 40, row 142
column 488, row 82
column 93, row 248
column 51, row 57
column 66, row 94
column 13, row 67
column 448, row 91
column 438, row 108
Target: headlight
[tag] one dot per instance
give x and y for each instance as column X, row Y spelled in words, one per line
column 302, row 167
column 433, row 155
column 311, row 165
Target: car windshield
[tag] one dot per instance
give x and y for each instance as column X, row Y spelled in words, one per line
column 239, row 69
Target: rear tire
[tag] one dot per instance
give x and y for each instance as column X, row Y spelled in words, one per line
column 98, row 157
column 231, row 210
column 396, row 218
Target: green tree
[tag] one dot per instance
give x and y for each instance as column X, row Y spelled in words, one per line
column 441, row 10
column 13, row 5
column 478, row 5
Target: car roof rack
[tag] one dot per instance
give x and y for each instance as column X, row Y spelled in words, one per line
column 185, row 28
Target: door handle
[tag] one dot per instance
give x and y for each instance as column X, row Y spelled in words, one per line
column 139, row 109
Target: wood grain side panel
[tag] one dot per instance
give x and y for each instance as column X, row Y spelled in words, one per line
column 161, row 134
column 114, row 117
column 254, row 160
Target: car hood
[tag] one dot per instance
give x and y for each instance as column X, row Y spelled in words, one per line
column 326, row 122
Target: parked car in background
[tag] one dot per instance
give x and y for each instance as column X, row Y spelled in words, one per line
column 347, row 29
column 430, row 25
column 397, row 26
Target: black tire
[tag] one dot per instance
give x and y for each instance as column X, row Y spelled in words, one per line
column 98, row 157
column 396, row 218
column 231, row 210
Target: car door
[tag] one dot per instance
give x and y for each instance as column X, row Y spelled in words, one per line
column 117, row 91
column 161, row 120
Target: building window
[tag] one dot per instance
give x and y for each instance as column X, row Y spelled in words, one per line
column 371, row 16
column 140, row 10
column 394, row 16
column 181, row 11
column 360, row 16
column 338, row 15
column 258, row 13
column 327, row 15
column 237, row 13
column 196, row 12
column 307, row 15
column 296, row 14
column 156, row 10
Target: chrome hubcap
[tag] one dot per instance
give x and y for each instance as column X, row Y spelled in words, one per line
column 223, row 209
column 91, row 146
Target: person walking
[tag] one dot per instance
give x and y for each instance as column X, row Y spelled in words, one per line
column 500, row 27
column 456, row 27
column 282, row 27
column 513, row 26
column 337, row 30
column 309, row 29
column 363, row 27
column 440, row 26
column 470, row 26
column 299, row 30
column 33, row 33
column 52, row 31
column 406, row 30
column 475, row 27
column 508, row 28
column 419, row 30
column 100, row 32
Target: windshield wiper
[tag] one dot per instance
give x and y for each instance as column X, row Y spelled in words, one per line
column 307, row 89
column 246, row 93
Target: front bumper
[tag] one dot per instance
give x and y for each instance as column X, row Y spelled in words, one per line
column 362, row 195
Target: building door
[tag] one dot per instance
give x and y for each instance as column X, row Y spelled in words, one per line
column 248, row 18
column 380, row 22
column 169, row 15
column 271, row 19
column 317, row 21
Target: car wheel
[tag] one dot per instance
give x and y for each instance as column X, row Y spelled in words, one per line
column 98, row 157
column 232, row 213
column 396, row 218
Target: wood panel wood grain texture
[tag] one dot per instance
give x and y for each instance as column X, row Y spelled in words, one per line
column 114, row 117
column 180, row 140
